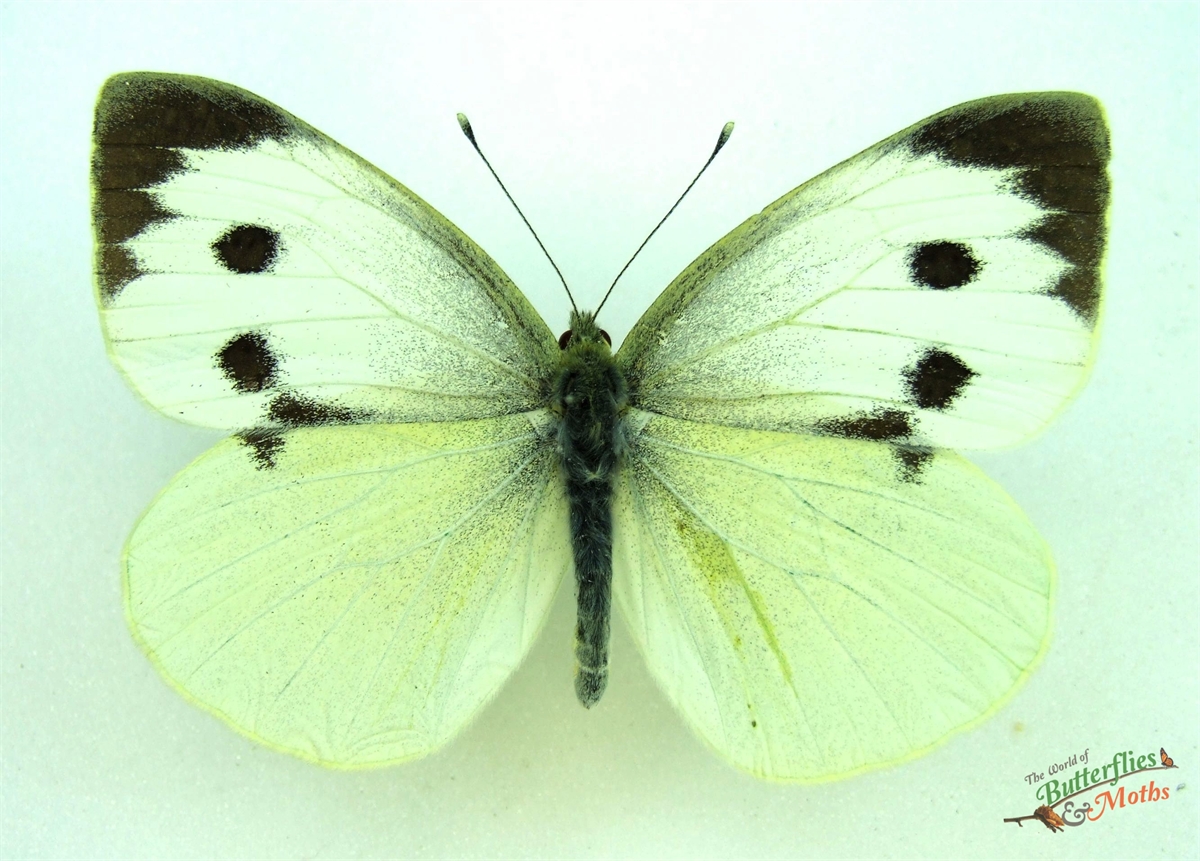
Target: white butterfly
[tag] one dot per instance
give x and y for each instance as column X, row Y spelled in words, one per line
column 818, row 586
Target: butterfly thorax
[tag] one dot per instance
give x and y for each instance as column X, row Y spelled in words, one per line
column 589, row 396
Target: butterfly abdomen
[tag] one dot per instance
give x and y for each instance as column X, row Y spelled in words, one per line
column 589, row 394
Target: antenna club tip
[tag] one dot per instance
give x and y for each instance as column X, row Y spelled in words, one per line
column 465, row 125
column 723, row 138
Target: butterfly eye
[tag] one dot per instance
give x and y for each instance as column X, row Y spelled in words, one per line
column 606, row 337
column 564, row 339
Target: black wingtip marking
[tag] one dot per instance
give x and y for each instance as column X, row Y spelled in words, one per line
column 937, row 379
column 247, row 249
column 1030, row 130
column 911, row 462
column 121, row 214
column 1079, row 239
column 942, row 265
column 146, row 109
column 116, row 266
column 877, row 425
column 295, row 410
column 265, row 445
column 125, row 167
column 1060, row 144
column 248, row 362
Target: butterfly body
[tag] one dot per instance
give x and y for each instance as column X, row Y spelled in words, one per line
column 760, row 478
column 590, row 399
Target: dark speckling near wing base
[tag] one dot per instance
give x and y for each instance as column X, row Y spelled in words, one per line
column 1059, row 144
column 142, row 121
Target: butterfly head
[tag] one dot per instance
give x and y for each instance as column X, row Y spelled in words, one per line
column 584, row 333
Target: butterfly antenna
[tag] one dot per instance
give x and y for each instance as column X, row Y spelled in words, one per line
column 465, row 125
column 722, row 139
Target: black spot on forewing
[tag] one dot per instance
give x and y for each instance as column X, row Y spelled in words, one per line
column 142, row 122
column 248, row 362
column 1058, row 144
column 942, row 265
column 911, row 462
column 936, row 379
column 264, row 444
column 295, row 410
column 247, row 249
column 877, row 425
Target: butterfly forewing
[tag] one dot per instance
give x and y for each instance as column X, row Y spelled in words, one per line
column 252, row 272
column 939, row 289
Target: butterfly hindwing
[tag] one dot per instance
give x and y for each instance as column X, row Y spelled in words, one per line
column 822, row 615
column 357, row 603
column 251, row 272
column 941, row 288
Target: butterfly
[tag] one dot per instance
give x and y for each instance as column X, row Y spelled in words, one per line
column 1166, row 760
column 760, row 475
column 1049, row 818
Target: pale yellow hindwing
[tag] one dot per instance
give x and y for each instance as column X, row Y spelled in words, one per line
column 815, row 607
column 356, row 601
